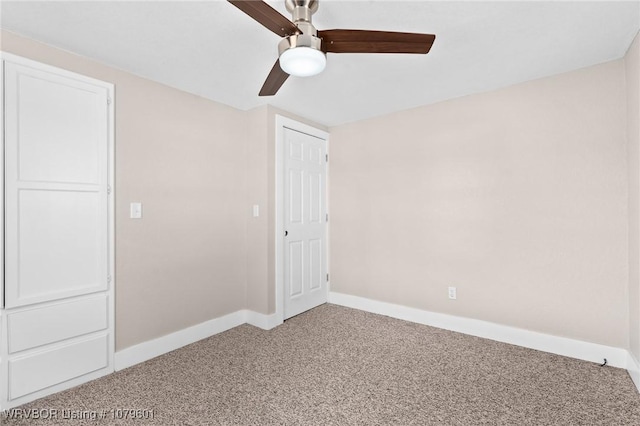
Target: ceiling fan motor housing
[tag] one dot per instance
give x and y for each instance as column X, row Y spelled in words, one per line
column 299, row 40
column 302, row 10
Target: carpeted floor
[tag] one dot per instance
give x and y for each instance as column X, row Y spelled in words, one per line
column 339, row 366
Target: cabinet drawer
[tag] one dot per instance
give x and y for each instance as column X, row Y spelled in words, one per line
column 39, row 326
column 41, row 370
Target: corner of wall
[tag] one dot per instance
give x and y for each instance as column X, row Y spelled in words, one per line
column 256, row 292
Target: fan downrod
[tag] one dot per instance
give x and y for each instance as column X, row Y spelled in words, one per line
column 301, row 9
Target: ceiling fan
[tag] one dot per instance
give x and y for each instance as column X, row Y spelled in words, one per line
column 303, row 49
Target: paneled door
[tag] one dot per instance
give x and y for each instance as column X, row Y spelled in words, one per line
column 305, row 222
column 58, row 299
column 55, row 187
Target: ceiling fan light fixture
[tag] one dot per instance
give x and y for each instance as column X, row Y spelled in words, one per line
column 302, row 50
column 303, row 61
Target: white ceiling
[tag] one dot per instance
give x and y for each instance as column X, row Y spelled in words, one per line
column 214, row 50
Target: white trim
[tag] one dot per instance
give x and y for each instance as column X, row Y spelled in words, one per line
column 633, row 368
column 111, row 197
column 152, row 348
column 265, row 322
column 2, row 143
column 59, row 71
column 278, row 256
column 594, row 352
column 4, row 350
column 283, row 122
column 328, row 223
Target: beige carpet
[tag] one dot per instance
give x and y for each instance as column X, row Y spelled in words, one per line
column 338, row 366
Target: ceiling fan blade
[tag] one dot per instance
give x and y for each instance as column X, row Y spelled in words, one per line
column 274, row 81
column 363, row 41
column 267, row 16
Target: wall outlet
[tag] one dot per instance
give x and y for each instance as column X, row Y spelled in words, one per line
column 452, row 293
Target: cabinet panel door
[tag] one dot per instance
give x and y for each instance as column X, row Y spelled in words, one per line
column 56, row 176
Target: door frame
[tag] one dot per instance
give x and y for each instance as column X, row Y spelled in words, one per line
column 283, row 123
column 110, row 88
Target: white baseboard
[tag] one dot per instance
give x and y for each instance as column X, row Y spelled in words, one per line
column 616, row 357
column 594, row 352
column 633, row 367
column 265, row 322
column 156, row 347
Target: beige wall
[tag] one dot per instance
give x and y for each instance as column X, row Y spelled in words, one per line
column 632, row 73
column 258, row 182
column 184, row 158
column 517, row 197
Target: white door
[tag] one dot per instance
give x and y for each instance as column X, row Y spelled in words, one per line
column 305, row 222
column 58, row 302
column 55, row 187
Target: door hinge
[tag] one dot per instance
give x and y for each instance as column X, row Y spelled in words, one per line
column 326, row 156
column 108, row 101
column 327, row 277
column 109, row 278
column 327, row 217
column 108, row 189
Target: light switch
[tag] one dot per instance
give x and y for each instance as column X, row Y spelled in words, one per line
column 136, row 211
column 256, row 210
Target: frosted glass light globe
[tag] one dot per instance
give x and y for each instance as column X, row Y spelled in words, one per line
column 302, row 61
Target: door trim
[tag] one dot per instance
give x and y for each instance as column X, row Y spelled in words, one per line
column 2, row 124
column 282, row 123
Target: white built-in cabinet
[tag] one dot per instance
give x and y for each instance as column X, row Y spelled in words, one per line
column 56, row 303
